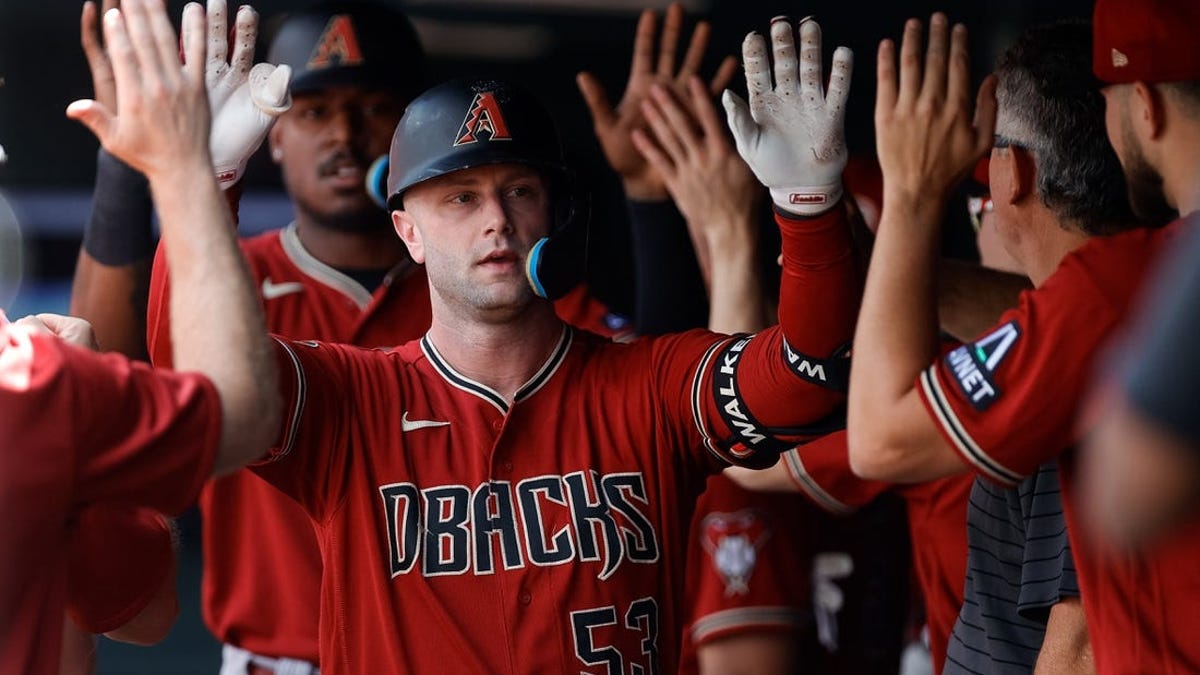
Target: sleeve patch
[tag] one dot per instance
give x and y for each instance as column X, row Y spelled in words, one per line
column 732, row 541
column 973, row 365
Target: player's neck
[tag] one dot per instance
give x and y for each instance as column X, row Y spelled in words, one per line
column 1045, row 250
column 503, row 356
column 350, row 250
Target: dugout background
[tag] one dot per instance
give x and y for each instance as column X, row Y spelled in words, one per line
column 541, row 43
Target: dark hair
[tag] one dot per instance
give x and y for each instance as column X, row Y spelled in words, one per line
column 1050, row 102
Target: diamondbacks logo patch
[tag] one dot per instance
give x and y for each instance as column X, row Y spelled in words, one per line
column 338, row 45
column 973, row 364
column 484, row 121
column 732, row 541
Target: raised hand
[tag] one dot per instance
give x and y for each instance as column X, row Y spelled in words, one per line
column 926, row 135
column 244, row 100
column 710, row 184
column 161, row 120
column 614, row 126
column 793, row 133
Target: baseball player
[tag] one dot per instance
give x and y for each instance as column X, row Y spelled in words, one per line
column 1007, row 402
column 507, row 494
column 749, row 554
column 754, row 607
column 936, row 510
column 82, row 428
column 1145, row 494
column 335, row 273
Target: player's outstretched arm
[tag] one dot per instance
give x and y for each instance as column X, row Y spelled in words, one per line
column 927, row 141
column 161, row 128
column 112, row 273
column 717, row 194
column 614, row 125
column 791, row 135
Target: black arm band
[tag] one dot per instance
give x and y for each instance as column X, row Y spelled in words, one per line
column 118, row 231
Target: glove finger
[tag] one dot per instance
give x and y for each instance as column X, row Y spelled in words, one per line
column 269, row 88
column 245, row 33
column 783, row 44
column 811, row 80
column 754, row 59
column 744, row 129
column 218, row 36
column 839, row 84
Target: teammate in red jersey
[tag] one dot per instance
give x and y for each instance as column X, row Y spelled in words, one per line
column 1008, row 401
column 749, row 555
column 82, row 428
column 936, row 519
column 1145, row 478
column 335, row 273
column 506, row 494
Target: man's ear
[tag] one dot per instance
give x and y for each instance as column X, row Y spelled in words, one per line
column 273, row 142
column 1020, row 175
column 406, row 229
column 1147, row 111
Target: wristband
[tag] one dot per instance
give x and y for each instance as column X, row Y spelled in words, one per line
column 118, row 231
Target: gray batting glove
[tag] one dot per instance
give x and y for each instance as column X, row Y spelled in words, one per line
column 793, row 134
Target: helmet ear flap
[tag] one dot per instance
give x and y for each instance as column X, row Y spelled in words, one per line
column 376, row 181
column 557, row 263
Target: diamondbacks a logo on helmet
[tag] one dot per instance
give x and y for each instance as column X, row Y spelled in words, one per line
column 338, row 45
column 732, row 540
column 483, row 117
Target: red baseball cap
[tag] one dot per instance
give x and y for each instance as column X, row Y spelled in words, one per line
column 981, row 173
column 1146, row 41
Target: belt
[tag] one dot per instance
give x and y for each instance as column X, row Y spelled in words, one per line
column 238, row 661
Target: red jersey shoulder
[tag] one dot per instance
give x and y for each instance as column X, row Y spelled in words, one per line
column 1007, row 400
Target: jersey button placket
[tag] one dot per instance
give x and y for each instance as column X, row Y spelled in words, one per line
column 524, row 598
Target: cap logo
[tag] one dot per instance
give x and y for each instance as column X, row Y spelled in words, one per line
column 1119, row 59
column 484, row 117
column 338, row 45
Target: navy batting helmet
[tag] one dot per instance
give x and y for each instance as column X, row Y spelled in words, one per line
column 467, row 123
column 350, row 43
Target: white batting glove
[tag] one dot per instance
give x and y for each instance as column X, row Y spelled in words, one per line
column 244, row 101
column 793, row 134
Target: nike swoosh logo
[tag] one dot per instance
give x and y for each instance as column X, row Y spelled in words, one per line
column 270, row 290
column 412, row 425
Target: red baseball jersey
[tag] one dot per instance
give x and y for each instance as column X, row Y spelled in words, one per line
column 262, row 567
column 937, row 522
column 1009, row 401
column 461, row 532
column 749, row 561
column 119, row 558
column 81, row 428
